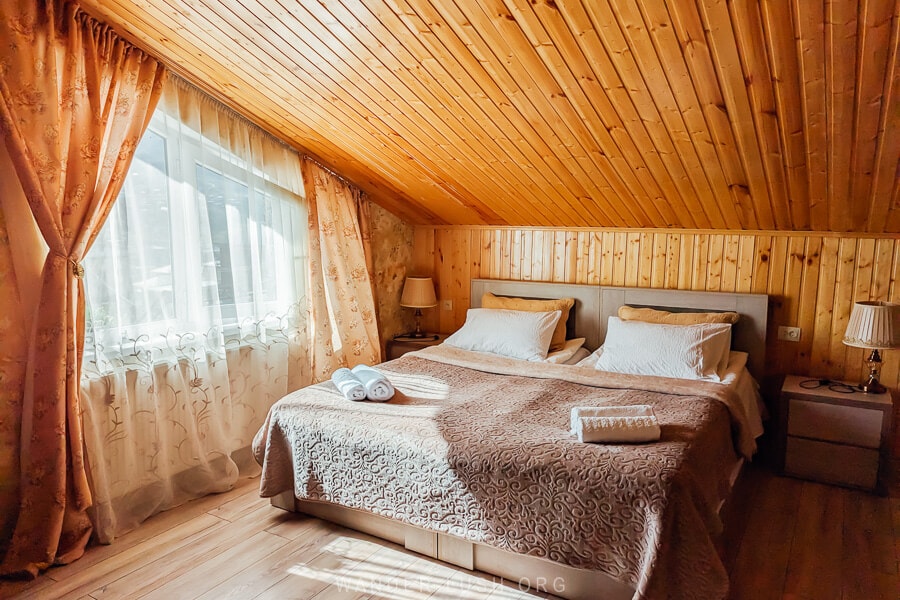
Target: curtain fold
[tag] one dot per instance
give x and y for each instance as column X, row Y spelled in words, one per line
column 344, row 331
column 74, row 101
column 196, row 294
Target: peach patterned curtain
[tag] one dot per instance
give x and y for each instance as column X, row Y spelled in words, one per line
column 74, row 101
column 342, row 312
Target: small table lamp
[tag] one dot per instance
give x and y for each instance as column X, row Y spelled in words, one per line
column 418, row 293
column 876, row 326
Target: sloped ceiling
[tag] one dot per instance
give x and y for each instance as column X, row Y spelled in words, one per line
column 771, row 115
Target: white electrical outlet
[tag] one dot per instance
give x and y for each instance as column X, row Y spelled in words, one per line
column 789, row 334
column 447, row 304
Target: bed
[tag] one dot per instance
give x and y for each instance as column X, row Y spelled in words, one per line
column 472, row 462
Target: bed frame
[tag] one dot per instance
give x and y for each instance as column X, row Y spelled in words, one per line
column 593, row 306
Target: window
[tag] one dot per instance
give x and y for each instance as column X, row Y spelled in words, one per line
column 200, row 238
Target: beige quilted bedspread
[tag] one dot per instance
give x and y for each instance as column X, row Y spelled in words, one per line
column 487, row 456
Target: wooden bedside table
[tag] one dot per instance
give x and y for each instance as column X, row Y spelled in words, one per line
column 835, row 437
column 398, row 347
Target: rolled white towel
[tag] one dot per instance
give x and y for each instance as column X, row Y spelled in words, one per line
column 377, row 386
column 348, row 384
column 633, row 410
column 618, row 429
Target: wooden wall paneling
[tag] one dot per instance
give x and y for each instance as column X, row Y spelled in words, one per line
column 714, row 262
column 646, row 268
column 882, row 271
column 778, row 259
column 607, row 258
column 583, row 257
column 594, row 260
column 621, row 78
column 872, row 59
column 890, row 373
column 379, row 34
column 782, row 47
column 843, row 303
column 453, row 264
column 577, row 71
column 453, row 66
column 689, row 28
column 806, row 302
column 505, row 253
column 751, row 45
column 523, row 93
column 730, row 263
column 590, row 145
column 885, row 215
column 747, row 256
column 689, row 107
column 840, row 69
column 497, row 253
column 808, row 19
column 658, row 259
column 673, row 246
column 759, row 281
column 825, row 302
column 632, row 258
column 723, row 46
column 701, row 259
column 537, row 254
column 685, row 261
column 475, row 253
column 423, row 265
column 794, row 272
column 527, row 240
column 619, row 250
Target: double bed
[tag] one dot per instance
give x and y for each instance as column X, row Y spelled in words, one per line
column 472, row 461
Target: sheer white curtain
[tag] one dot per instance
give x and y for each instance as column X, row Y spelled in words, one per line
column 196, row 315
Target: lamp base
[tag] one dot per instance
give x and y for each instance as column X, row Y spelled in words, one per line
column 412, row 336
column 416, row 335
column 872, row 386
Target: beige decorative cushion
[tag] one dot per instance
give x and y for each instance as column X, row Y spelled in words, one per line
column 564, row 305
column 664, row 317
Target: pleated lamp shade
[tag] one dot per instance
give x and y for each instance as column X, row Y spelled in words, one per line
column 418, row 292
column 874, row 325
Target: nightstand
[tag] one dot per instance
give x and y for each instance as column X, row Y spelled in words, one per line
column 397, row 347
column 835, row 437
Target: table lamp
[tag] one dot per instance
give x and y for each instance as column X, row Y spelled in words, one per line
column 418, row 293
column 875, row 326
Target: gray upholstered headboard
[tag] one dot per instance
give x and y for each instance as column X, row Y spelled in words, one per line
column 595, row 304
column 586, row 319
column 748, row 334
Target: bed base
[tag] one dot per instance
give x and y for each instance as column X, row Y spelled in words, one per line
column 523, row 571
column 526, row 572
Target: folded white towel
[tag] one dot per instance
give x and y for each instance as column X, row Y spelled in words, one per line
column 634, row 410
column 348, row 384
column 377, row 386
column 617, row 429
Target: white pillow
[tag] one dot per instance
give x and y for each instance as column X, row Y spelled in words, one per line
column 513, row 333
column 562, row 357
column 680, row 351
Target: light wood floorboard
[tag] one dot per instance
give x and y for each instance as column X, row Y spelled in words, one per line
column 802, row 541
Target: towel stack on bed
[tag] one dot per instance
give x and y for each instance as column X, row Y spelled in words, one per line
column 362, row 383
column 614, row 424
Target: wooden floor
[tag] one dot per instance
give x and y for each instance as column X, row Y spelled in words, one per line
column 802, row 541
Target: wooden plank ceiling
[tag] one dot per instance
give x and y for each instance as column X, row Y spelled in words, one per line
column 710, row 114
